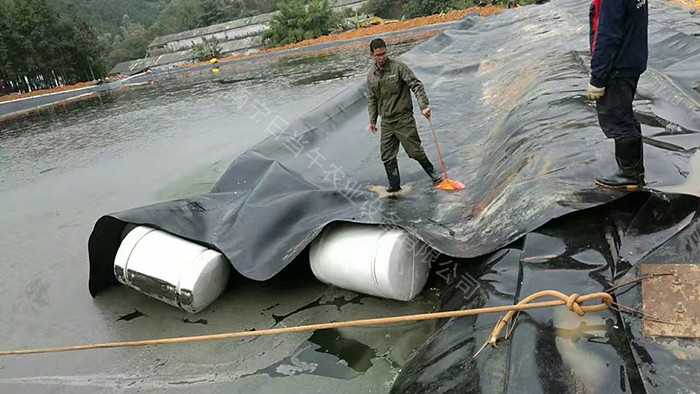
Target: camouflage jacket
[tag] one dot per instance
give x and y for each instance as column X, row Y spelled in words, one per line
column 390, row 92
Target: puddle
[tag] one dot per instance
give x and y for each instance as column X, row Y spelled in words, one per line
column 325, row 76
column 235, row 80
column 692, row 183
column 203, row 322
column 131, row 316
column 47, row 170
column 338, row 302
column 305, row 60
column 327, row 353
column 271, row 307
column 381, row 191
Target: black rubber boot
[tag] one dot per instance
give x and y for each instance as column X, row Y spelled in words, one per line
column 630, row 161
column 392, row 172
column 430, row 170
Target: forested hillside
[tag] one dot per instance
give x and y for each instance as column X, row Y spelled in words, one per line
column 46, row 43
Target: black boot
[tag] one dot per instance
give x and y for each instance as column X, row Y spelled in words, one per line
column 629, row 154
column 392, row 172
column 430, row 170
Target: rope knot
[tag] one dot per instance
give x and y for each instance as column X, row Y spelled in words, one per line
column 573, row 304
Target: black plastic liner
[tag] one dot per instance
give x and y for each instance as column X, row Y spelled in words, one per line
column 507, row 93
column 584, row 252
column 555, row 351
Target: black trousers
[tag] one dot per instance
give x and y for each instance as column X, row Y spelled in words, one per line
column 615, row 113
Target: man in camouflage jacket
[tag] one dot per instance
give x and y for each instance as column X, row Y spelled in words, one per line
column 390, row 83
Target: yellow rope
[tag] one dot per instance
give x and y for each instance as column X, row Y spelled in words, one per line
column 572, row 302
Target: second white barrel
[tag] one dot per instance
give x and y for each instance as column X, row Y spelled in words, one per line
column 371, row 259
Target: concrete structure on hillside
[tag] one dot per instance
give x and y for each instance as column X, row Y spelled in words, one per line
column 238, row 36
column 235, row 36
column 244, row 31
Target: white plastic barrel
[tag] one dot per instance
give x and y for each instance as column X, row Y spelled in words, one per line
column 171, row 269
column 370, row 259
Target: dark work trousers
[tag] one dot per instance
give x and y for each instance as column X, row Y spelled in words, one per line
column 404, row 133
column 615, row 113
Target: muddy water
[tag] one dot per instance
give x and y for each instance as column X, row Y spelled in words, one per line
column 62, row 170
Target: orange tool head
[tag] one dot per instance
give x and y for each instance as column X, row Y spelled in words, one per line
column 450, row 185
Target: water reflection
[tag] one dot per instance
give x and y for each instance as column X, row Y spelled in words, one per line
column 189, row 102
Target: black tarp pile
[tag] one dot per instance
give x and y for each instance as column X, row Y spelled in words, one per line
column 555, row 351
column 507, row 92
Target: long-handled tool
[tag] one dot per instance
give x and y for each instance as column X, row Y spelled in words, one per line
column 447, row 184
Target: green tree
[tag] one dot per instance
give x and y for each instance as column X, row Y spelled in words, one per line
column 89, row 52
column 116, row 39
column 389, row 9
column 105, row 16
column 179, row 15
column 41, row 49
column 416, row 8
column 219, row 11
column 298, row 21
column 130, row 43
column 6, row 45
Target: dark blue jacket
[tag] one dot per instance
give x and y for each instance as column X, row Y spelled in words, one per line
column 619, row 44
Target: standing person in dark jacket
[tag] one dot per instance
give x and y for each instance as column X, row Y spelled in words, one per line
column 389, row 84
column 619, row 53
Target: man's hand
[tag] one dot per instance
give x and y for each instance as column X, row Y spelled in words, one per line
column 427, row 113
column 372, row 128
column 594, row 92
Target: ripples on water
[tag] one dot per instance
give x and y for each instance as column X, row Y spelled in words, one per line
column 183, row 103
